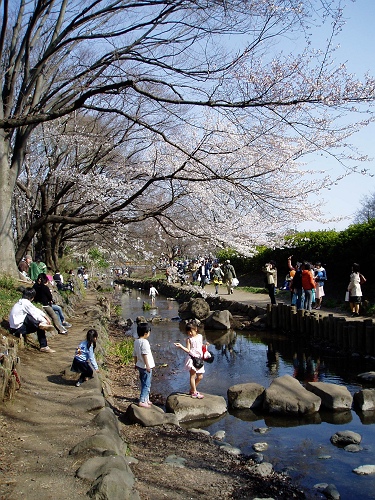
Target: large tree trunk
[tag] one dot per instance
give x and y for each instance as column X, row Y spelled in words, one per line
column 7, row 182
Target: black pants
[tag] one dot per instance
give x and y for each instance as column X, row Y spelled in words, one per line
column 271, row 292
column 82, row 367
column 31, row 325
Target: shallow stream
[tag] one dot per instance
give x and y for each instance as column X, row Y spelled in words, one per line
column 299, row 446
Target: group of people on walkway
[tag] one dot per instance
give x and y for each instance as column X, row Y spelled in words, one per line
column 304, row 280
column 204, row 271
column 25, row 317
column 218, row 274
column 306, row 284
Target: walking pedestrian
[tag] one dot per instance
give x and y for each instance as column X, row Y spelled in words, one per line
column 355, row 290
column 229, row 274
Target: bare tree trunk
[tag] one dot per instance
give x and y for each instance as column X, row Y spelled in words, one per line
column 7, row 183
column 55, row 249
column 47, row 245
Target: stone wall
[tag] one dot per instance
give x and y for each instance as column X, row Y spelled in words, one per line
column 9, row 363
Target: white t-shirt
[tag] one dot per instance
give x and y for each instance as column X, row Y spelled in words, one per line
column 142, row 346
column 20, row 310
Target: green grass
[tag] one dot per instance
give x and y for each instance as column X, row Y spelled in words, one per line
column 8, row 295
column 252, row 289
column 124, row 350
column 117, row 310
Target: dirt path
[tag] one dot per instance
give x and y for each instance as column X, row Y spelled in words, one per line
column 39, row 427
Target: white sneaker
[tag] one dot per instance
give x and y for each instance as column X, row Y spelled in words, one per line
column 46, row 349
column 46, row 326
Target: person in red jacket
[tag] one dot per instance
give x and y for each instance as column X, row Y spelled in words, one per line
column 308, row 284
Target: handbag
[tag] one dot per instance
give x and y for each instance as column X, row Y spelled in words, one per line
column 197, row 361
column 210, row 358
column 235, row 282
column 347, row 296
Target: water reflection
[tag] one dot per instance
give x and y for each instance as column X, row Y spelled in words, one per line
column 272, row 360
column 223, row 342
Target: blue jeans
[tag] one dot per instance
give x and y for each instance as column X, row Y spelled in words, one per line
column 59, row 313
column 308, row 297
column 145, row 377
column 298, row 292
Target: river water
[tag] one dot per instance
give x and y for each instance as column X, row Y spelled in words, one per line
column 299, row 446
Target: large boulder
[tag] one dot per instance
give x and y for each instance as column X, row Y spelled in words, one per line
column 286, row 395
column 246, row 396
column 187, row 408
column 103, row 442
column 150, row 417
column 89, row 402
column 365, row 399
column 343, row 438
column 199, row 308
column 97, row 466
column 219, row 320
column 194, row 309
column 114, row 485
column 334, row 397
column 106, row 419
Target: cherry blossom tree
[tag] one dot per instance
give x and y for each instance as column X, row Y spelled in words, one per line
column 206, row 86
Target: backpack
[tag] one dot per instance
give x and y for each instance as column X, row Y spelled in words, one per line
column 297, row 279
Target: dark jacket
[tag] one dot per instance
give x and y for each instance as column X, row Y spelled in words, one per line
column 296, row 283
column 43, row 294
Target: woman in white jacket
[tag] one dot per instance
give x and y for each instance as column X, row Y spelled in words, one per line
column 355, row 290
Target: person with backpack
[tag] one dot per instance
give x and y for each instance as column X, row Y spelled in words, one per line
column 296, row 283
column 308, row 285
column 229, row 274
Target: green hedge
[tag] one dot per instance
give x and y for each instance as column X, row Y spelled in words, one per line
column 335, row 250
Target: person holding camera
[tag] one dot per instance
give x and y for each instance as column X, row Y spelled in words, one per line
column 271, row 279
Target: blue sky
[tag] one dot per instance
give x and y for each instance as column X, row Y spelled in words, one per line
column 356, row 49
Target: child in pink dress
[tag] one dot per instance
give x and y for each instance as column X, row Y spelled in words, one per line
column 194, row 347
